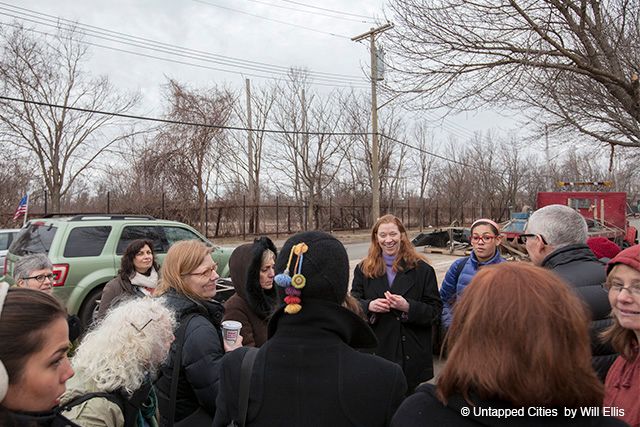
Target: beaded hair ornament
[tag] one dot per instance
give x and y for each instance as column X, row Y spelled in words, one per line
column 293, row 284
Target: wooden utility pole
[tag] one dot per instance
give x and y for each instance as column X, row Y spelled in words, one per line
column 253, row 217
column 375, row 157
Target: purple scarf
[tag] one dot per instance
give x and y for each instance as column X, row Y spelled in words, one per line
column 388, row 262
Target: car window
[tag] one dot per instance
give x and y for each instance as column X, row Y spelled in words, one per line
column 34, row 240
column 5, row 240
column 154, row 233
column 175, row 234
column 86, row 241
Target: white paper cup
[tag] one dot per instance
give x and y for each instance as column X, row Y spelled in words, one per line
column 231, row 330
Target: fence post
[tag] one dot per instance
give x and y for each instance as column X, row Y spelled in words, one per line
column 353, row 220
column 277, row 215
column 46, row 196
column 244, row 213
column 162, row 207
column 108, row 201
column 408, row 212
column 330, row 222
column 437, row 224
column 206, row 216
column 422, row 214
column 289, row 219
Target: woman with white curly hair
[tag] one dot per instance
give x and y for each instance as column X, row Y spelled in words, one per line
column 120, row 357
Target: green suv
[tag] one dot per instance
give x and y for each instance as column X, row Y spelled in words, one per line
column 86, row 249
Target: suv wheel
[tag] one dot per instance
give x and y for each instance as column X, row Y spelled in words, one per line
column 89, row 308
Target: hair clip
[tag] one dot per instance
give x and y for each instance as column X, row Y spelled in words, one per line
column 142, row 327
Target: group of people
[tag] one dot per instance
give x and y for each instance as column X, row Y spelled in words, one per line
column 315, row 351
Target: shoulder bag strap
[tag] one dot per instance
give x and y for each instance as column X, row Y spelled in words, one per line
column 245, row 383
column 177, row 365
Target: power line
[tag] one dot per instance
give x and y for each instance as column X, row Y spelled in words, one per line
column 273, row 20
column 314, row 13
column 178, row 122
column 109, row 35
column 327, row 10
column 238, row 128
column 272, row 77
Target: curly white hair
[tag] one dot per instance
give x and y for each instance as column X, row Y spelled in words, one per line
column 129, row 344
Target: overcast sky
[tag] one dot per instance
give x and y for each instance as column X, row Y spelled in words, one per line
column 274, row 34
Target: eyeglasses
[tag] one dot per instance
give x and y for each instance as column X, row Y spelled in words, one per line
column 486, row 238
column 40, row 278
column 524, row 237
column 204, row 274
column 616, row 288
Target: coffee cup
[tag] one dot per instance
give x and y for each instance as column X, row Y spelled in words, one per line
column 231, row 330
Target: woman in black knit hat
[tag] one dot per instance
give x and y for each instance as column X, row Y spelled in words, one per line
column 309, row 371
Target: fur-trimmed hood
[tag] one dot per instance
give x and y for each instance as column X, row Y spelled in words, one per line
column 244, row 266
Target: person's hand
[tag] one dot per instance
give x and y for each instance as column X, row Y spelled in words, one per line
column 397, row 302
column 230, row 346
column 380, row 305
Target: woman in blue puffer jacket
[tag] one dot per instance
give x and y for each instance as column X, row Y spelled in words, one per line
column 485, row 239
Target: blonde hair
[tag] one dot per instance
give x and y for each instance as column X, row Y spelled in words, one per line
column 130, row 342
column 182, row 258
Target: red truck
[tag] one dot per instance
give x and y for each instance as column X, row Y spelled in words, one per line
column 605, row 212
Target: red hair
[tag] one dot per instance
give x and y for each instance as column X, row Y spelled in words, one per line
column 520, row 335
column 408, row 257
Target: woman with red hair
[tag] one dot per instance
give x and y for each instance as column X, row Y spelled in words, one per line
column 519, row 343
column 398, row 292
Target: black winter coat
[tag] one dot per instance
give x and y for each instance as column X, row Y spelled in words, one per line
column 405, row 340
column 580, row 268
column 424, row 409
column 201, row 353
column 309, row 374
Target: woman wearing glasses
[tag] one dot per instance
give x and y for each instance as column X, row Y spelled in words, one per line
column 622, row 384
column 36, row 272
column 398, row 293
column 485, row 240
column 188, row 282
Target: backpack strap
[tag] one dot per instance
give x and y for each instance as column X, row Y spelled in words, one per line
column 177, row 365
column 113, row 397
column 460, row 267
column 245, row 383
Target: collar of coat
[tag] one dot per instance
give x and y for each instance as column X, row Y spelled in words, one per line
column 322, row 317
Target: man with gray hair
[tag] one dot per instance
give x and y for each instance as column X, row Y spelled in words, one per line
column 34, row 272
column 555, row 238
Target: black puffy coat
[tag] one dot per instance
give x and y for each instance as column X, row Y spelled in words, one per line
column 404, row 340
column 201, row 353
column 580, row 268
column 309, row 374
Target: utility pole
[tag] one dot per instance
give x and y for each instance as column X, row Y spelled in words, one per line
column 253, row 227
column 375, row 157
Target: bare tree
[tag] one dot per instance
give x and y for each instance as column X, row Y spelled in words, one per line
column 575, row 64
column 311, row 155
column 52, row 113
column 193, row 152
column 262, row 103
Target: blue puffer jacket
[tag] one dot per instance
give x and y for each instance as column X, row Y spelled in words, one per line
column 454, row 284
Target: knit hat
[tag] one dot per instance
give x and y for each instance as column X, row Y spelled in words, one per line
column 322, row 262
column 629, row 256
column 603, row 247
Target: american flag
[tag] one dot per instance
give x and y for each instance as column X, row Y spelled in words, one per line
column 22, row 207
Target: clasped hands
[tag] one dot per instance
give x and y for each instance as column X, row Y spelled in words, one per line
column 390, row 301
